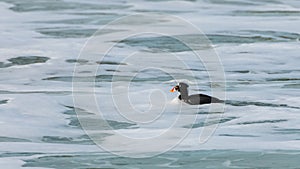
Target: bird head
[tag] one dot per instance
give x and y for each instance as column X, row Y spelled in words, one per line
column 181, row 85
column 176, row 88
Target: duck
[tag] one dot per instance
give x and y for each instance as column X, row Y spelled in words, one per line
column 195, row 99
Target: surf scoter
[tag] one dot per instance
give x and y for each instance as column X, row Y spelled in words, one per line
column 194, row 99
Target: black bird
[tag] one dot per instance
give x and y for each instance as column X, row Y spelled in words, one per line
column 194, row 99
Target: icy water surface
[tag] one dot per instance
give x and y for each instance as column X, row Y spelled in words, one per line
column 258, row 45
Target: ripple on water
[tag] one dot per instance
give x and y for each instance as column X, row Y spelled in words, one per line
column 237, row 135
column 12, row 139
column 277, row 13
column 210, row 122
column 89, row 19
column 263, row 122
column 173, row 44
column 292, row 86
column 167, row 43
column 27, row 60
column 232, row 2
column 24, row 60
column 59, row 5
column 4, row 101
column 260, row 104
column 108, row 78
column 74, row 122
column 83, row 140
column 289, row 131
column 66, row 32
column 173, row 159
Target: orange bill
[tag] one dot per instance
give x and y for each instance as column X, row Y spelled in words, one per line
column 173, row 89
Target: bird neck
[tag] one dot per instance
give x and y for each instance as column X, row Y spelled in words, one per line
column 184, row 94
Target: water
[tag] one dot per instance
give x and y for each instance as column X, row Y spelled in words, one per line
column 258, row 45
